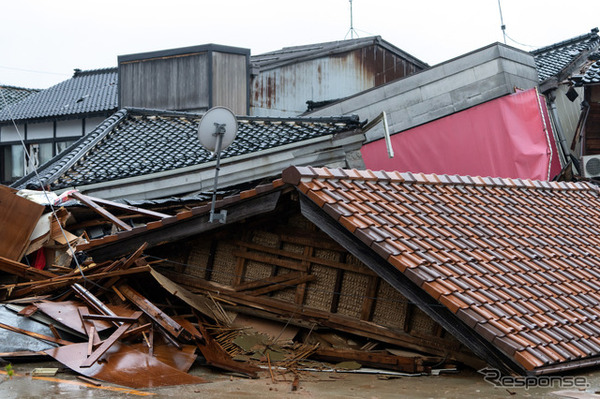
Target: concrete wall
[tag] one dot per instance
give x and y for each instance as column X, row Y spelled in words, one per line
column 444, row 89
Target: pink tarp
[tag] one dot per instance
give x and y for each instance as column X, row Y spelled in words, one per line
column 506, row 137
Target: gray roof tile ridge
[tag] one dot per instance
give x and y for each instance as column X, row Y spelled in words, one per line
column 348, row 119
column 444, row 179
column 98, row 71
column 315, row 46
column 592, row 36
column 17, row 88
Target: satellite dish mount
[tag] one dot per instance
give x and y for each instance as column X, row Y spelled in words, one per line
column 216, row 131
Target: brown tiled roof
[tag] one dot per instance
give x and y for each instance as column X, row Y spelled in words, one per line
column 517, row 261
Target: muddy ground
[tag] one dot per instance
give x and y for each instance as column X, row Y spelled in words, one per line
column 465, row 384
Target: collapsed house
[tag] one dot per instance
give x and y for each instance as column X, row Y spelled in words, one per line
column 502, row 271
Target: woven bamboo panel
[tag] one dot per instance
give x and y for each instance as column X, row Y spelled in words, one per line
column 327, row 254
column 320, row 291
column 286, row 294
column 224, row 263
column 257, row 271
column 390, row 307
column 354, row 261
column 198, row 258
column 300, row 222
column 265, row 238
column 420, row 322
column 294, row 248
column 354, row 290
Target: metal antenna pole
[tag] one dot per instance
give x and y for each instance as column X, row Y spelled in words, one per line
column 351, row 31
column 502, row 26
column 351, row 22
column 221, row 217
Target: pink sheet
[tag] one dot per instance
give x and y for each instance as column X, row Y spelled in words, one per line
column 506, row 137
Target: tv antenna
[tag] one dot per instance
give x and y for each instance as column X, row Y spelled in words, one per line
column 352, row 31
column 216, row 131
column 502, row 26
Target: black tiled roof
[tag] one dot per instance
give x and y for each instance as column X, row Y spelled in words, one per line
column 135, row 142
column 592, row 74
column 11, row 95
column 552, row 60
column 93, row 91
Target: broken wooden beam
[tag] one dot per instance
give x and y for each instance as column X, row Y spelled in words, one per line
column 35, row 335
column 40, row 287
column 24, row 271
column 282, row 285
column 376, row 359
column 89, row 202
column 108, row 342
column 157, row 315
column 214, row 354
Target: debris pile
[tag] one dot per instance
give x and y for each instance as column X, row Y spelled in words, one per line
column 124, row 322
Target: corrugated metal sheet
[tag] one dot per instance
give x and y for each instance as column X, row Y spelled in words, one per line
column 284, row 91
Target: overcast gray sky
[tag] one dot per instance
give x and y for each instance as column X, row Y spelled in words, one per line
column 42, row 41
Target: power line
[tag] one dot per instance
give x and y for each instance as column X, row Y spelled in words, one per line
column 33, row 71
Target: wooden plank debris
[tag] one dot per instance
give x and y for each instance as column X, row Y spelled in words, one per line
column 18, row 218
column 108, row 342
column 88, row 201
column 158, row 316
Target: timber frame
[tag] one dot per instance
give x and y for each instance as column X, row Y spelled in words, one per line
column 274, row 261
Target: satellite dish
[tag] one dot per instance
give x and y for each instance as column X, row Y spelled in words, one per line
column 217, row 122
column 216, row 131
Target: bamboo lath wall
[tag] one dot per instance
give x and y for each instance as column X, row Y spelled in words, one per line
column 342, row 284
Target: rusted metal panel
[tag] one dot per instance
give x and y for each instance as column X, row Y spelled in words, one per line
column 284, row 91
column 66, row 313
column 123, row 365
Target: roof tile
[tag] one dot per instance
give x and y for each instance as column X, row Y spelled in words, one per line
column 510, row 258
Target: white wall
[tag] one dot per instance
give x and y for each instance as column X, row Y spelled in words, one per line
column 69, row 128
